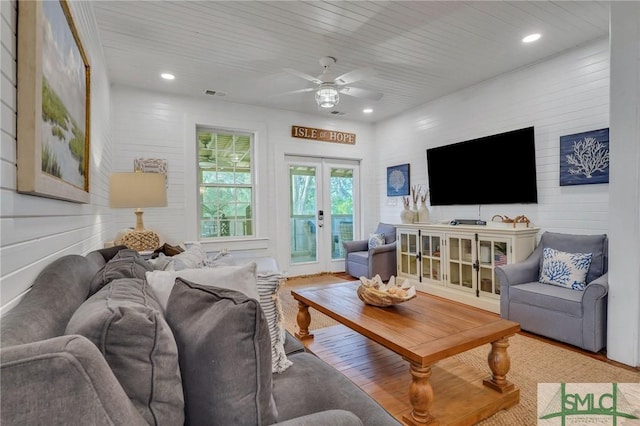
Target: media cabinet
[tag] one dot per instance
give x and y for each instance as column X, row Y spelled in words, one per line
column 457, row 261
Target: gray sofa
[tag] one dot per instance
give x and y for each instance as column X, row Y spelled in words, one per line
column 51, row 376
column 576, row 317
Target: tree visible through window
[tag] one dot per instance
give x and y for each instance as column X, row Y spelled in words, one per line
column 226, row 184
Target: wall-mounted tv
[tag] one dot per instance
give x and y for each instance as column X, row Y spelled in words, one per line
column 496, row 169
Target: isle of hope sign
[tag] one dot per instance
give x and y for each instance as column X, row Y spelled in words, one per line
column 323, row 135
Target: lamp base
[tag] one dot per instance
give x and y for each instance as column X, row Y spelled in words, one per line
column 144, row 240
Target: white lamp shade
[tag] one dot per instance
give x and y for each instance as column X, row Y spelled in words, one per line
column 137, row 190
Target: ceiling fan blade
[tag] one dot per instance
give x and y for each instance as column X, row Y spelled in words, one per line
column 355, row 75
column 303, row 75
column 357, row 92
column 292, row 92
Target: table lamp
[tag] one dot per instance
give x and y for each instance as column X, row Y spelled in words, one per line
column 137, row 190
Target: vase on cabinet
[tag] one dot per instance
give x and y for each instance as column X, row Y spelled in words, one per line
column 407, row 215
column 423, row 213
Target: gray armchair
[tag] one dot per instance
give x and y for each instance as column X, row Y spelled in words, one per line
column 571, row 316
column 360, row 260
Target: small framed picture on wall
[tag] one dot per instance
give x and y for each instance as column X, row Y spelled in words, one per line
column 398, row 180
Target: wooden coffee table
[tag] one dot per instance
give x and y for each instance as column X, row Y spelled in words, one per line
column 423, row 331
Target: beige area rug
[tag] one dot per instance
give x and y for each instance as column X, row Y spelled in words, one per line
column 532, row 361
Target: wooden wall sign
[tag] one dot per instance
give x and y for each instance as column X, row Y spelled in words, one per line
column 323, row 135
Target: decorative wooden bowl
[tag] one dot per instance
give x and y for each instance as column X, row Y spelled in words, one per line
column 374, row 292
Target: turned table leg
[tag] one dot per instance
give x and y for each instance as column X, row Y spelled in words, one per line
column 303, row 319
column 499, row 363
column 420, row 396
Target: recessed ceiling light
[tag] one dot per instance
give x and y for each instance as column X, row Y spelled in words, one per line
column 367, row 110
column 531, row 38
column 167, row 76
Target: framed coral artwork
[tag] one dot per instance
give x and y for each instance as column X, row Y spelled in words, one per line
column 398, row 180
column 584, row 158
column 53, row 104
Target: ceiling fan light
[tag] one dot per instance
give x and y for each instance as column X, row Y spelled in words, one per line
column 327, row 96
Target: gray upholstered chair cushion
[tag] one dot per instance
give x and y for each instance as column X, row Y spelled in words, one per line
column 124, row 321
column 555, row 298
column 125, row 263
column 596, row 244
column 225, row 355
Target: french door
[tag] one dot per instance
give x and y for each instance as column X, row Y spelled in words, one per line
column 323, row 207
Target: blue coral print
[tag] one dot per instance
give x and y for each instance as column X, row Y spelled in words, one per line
column 565, row 269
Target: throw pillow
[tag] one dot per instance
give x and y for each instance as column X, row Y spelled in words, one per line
column 222, row 258
column 268, row 286
column 565, row 269
column 241, row 278
column 376, row 240
column 168, row 250
column 126, row 263
column 192, row 257
column 225, row 357
column 162, row 263
column 124, row 321
column 596, row 244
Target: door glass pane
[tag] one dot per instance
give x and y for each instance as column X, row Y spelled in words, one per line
column 486, row 279
column 341, row 187
column 454, row 249
column 467, row 276
column 303, row 208
column 466, row 250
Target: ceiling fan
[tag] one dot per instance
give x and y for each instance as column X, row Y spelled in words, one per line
column 328, row 87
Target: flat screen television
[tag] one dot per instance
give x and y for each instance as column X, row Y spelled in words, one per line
column 496, row 169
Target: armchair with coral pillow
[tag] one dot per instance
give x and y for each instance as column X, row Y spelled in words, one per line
column 560, row 290
column 375, row 255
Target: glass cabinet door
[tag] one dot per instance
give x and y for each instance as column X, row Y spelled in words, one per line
column 430, row 257
column 460, row 267
column 408, row 253
column 491, row 253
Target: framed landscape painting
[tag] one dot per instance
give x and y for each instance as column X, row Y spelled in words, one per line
column 53, row 103
column 398, row 180
column 584, row 158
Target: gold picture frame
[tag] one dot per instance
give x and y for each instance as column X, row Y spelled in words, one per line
column 53, row 104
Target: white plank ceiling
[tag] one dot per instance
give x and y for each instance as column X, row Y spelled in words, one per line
column 418, row 50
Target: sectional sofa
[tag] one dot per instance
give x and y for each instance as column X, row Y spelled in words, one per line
column 93, row 342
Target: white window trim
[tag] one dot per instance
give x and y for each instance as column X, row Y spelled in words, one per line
column 259, row 131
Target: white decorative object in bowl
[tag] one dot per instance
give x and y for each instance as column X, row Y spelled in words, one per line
column 375, row 292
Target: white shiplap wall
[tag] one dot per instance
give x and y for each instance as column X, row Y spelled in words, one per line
column 561, row 96
column 154, row 125
column 37, row 230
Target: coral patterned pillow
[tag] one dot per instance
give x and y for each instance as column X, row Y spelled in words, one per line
column 565, row 269
column 376, row 240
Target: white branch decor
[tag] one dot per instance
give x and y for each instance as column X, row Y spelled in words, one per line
column 589, row 156
column 584, row 158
